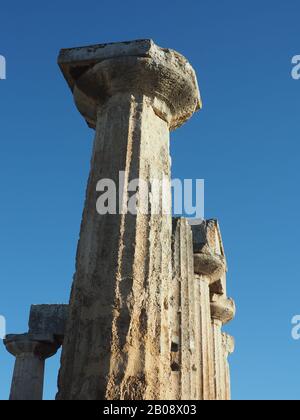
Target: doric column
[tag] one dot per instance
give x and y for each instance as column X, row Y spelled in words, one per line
column 183, row 322
column 30, row 354
column 209, row 266
column 117, row 342
column 222, row 312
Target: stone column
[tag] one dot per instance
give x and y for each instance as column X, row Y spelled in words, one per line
column 117, row 342
column 183, row 319
column 209, row 266
column 222, row 312
column 28, row 376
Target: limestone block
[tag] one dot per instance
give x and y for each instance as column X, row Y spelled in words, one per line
column 48, row 319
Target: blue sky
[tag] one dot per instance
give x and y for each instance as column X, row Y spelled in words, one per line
column 245, row 144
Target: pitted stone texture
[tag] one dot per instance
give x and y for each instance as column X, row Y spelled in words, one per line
column 223, row 346
column 184, row 320
column 215, row 309
column 117, row 343
column 48, row 320
column 219, row 287
column 96, row 73
column 204, row 340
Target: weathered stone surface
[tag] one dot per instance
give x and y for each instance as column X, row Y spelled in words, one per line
column 215, row 310
column 48, row 320
column 207, row 238
column 222, row 308
column 30, row 351
column 163, row 75
column 117, row 343
column 112, row 348
column 222, row 311
column 218, row 287
column 209, row 267
column 183, row 318
column 223, row 345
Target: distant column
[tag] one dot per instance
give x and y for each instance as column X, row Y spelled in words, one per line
column 209, row 266
column 222, row 312
column 183, row 319
column 28, row 376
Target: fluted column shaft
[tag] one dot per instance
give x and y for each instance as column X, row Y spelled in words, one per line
column 204, row 342
column 122, row 266
column 117, row 343
column 218, row 360
column 183, row 316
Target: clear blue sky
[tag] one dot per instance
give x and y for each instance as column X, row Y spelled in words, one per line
column 245, row 144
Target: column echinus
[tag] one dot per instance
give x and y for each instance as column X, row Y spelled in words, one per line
column 209, row 267
column 117, row 339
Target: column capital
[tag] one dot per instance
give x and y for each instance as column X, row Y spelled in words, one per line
column 31, row 345
column 209, row 256
column 98, row 72
column 222, row 308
